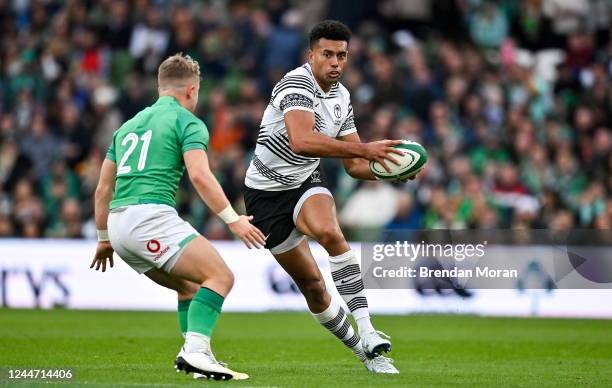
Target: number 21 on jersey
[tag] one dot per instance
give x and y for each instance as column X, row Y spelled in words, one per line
column 133, row 140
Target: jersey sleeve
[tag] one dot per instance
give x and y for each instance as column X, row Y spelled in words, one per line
column 294, row 92
column 348, row 126
column 195, row 137
column 110, row 154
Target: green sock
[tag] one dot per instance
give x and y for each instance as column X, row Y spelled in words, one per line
column 183, row 308
column 204, row 311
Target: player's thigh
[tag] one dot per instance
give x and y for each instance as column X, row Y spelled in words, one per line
column 300, row 265
column 200, row 262
column 185, row 288
column 318, row 216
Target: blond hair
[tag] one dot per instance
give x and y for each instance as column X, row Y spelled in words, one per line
column 177, row 70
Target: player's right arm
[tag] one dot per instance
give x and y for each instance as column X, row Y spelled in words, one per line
column 103, row 196
column 212, row 194
column 304, row 140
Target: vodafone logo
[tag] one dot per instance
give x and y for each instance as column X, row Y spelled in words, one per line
column 153, row 246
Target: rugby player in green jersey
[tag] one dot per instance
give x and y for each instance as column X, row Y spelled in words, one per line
column 135, row 215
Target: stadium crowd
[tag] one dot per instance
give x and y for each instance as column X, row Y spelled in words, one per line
column 512, row 99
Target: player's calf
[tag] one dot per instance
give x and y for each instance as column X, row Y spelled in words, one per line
column 314, row 292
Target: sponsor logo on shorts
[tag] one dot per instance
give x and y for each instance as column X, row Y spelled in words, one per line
column 153, row 246
column 160, row 254
column 315, row 177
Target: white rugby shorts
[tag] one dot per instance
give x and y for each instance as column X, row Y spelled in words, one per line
column 149, row 236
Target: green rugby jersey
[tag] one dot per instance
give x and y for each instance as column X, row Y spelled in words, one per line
column 148, row 150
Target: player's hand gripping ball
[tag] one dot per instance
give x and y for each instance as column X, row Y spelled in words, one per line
column 410, row 163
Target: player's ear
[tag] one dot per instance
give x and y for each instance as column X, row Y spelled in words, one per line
column 191, row 91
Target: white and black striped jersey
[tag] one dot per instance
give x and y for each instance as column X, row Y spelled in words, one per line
column 275, row 166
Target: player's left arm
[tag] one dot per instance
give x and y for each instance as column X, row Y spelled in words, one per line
column 358, row 168
column 104, row 194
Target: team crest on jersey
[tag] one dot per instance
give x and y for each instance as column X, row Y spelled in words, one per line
column 315, row 177
column 337, row 113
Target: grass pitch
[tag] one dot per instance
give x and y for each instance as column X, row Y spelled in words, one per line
column 113, row 349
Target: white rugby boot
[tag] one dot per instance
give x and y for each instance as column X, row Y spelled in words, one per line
column 381, row 364
column 196, row 375
column 375, row 343
column 204, row 365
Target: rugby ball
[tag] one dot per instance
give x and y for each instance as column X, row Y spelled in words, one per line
column 410, row 163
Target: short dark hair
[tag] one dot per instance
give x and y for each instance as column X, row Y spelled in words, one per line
column 329, row 29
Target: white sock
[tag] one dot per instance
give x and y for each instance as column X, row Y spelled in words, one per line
column 346, row 273
column 334, row 319
column 196, row 342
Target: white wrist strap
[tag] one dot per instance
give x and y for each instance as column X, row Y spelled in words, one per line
column 102, row 235
column 229, row 215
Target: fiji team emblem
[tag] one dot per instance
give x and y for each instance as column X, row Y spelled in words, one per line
column 315, row 177
column 338, row 111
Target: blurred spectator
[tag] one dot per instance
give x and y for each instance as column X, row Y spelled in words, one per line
column 28, row 210
column 149, row 40
column 40, row 146
column 531, row 28
column 284, row 45
column 76, row 139
column 59, row 185
column 488, row 25
column 106, row 116
column 14, row 165
column 70, row 224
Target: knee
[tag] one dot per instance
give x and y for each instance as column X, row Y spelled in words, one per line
column 329, row 235
column 313, row 289
column 227, row 279
column 221, row 275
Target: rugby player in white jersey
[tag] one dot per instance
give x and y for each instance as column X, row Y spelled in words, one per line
column 310, row 116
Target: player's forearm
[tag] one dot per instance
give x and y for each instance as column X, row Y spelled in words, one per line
column 210, row 191
column 103, row 196
column 319, row 145
column 360, row 169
